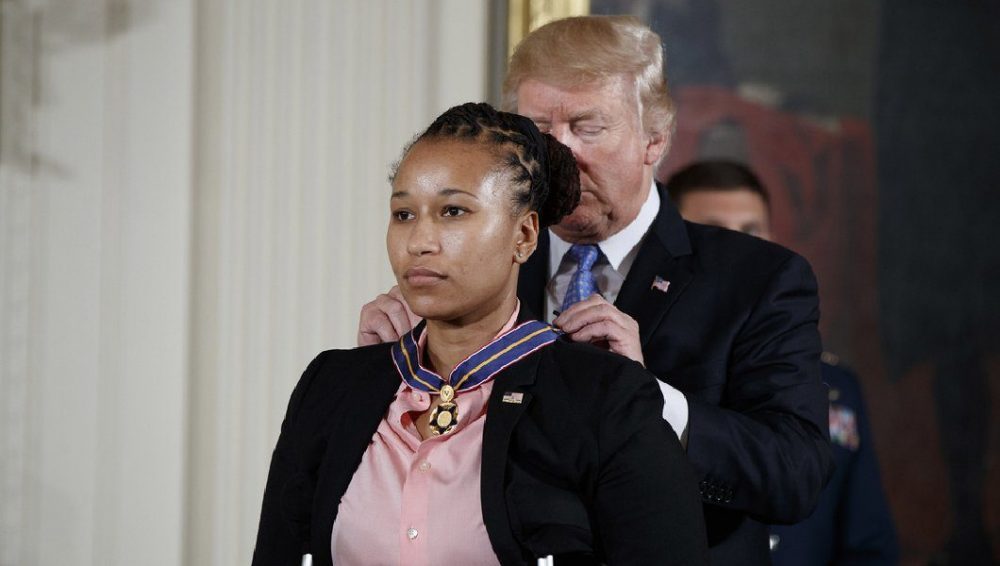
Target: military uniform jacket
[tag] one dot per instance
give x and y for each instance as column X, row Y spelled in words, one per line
column 852, row 523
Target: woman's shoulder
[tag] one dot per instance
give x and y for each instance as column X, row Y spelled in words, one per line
column 338, row 369
column 353, row 360
column 338, row 374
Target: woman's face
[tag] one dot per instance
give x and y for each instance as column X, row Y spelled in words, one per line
column 453, row 238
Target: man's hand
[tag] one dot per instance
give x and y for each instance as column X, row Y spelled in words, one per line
column 385, row 319
column 597, row 321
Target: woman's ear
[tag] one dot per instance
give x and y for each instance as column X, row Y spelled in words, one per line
column 527, row 236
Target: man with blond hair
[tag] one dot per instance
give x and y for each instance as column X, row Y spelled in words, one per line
column 727, row 322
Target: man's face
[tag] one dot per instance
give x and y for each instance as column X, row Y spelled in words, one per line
column 736, row 209
column 600, row 123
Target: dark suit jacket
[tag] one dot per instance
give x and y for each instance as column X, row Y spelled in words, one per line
column 736, row 332
column 583, row 467
column 852, row 523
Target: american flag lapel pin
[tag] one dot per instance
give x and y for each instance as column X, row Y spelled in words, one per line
column 660, row 284
column 514, row 397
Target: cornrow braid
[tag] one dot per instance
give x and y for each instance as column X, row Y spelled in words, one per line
column 543, row 173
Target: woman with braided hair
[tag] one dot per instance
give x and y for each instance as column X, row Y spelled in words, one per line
column 480, row 437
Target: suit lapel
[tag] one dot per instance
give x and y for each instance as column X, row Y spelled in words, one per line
column 507, row 404
column 642, row 295
column 660, row 272
column 356, row 416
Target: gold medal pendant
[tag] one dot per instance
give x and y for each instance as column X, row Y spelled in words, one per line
column 445, row 415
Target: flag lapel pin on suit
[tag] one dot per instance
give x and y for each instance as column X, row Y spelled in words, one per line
column 660, row 284
column 514, row 397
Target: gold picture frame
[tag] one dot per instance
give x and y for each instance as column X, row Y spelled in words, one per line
column 510, row 21
column 523, row 16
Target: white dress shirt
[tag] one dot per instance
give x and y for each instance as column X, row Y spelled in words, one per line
column 617, row 256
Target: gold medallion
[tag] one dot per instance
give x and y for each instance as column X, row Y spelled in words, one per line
column 444, row 417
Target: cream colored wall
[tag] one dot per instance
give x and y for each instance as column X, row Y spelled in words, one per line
column 95, row 269
column 192, row 205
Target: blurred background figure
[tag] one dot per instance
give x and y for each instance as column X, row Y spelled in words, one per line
column 852, row 524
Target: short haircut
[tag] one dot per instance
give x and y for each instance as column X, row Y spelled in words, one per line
column 716, row 174
column 580, row 50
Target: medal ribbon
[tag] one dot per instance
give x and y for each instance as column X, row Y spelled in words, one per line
column 480, row 366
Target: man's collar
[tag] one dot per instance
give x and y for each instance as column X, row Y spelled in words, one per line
column 618, row 245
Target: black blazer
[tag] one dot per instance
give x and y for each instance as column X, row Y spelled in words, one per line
column 736, row 332
column 584, row 466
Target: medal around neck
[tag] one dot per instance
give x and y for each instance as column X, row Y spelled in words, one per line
column 445, row 415
column 482, row 365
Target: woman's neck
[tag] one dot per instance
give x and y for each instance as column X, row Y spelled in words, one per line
column 450, row 342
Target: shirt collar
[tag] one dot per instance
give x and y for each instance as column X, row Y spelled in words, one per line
column 618, row 246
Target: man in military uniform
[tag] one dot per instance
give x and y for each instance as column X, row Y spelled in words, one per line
column 852, row 523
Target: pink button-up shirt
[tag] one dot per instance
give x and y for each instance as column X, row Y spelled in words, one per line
column 417, row 502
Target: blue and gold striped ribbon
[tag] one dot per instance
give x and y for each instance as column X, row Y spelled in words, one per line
column 478, row 367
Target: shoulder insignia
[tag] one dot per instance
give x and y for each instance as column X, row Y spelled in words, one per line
column 844, row 427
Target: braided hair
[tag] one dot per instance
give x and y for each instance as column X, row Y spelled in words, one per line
column 543, row 172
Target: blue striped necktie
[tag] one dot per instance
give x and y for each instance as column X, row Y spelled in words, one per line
column 583, row 284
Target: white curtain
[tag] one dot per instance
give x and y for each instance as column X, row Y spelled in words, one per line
column 192, row 205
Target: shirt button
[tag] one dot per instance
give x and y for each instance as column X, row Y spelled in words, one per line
column 411, row 533
column 424, row 466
